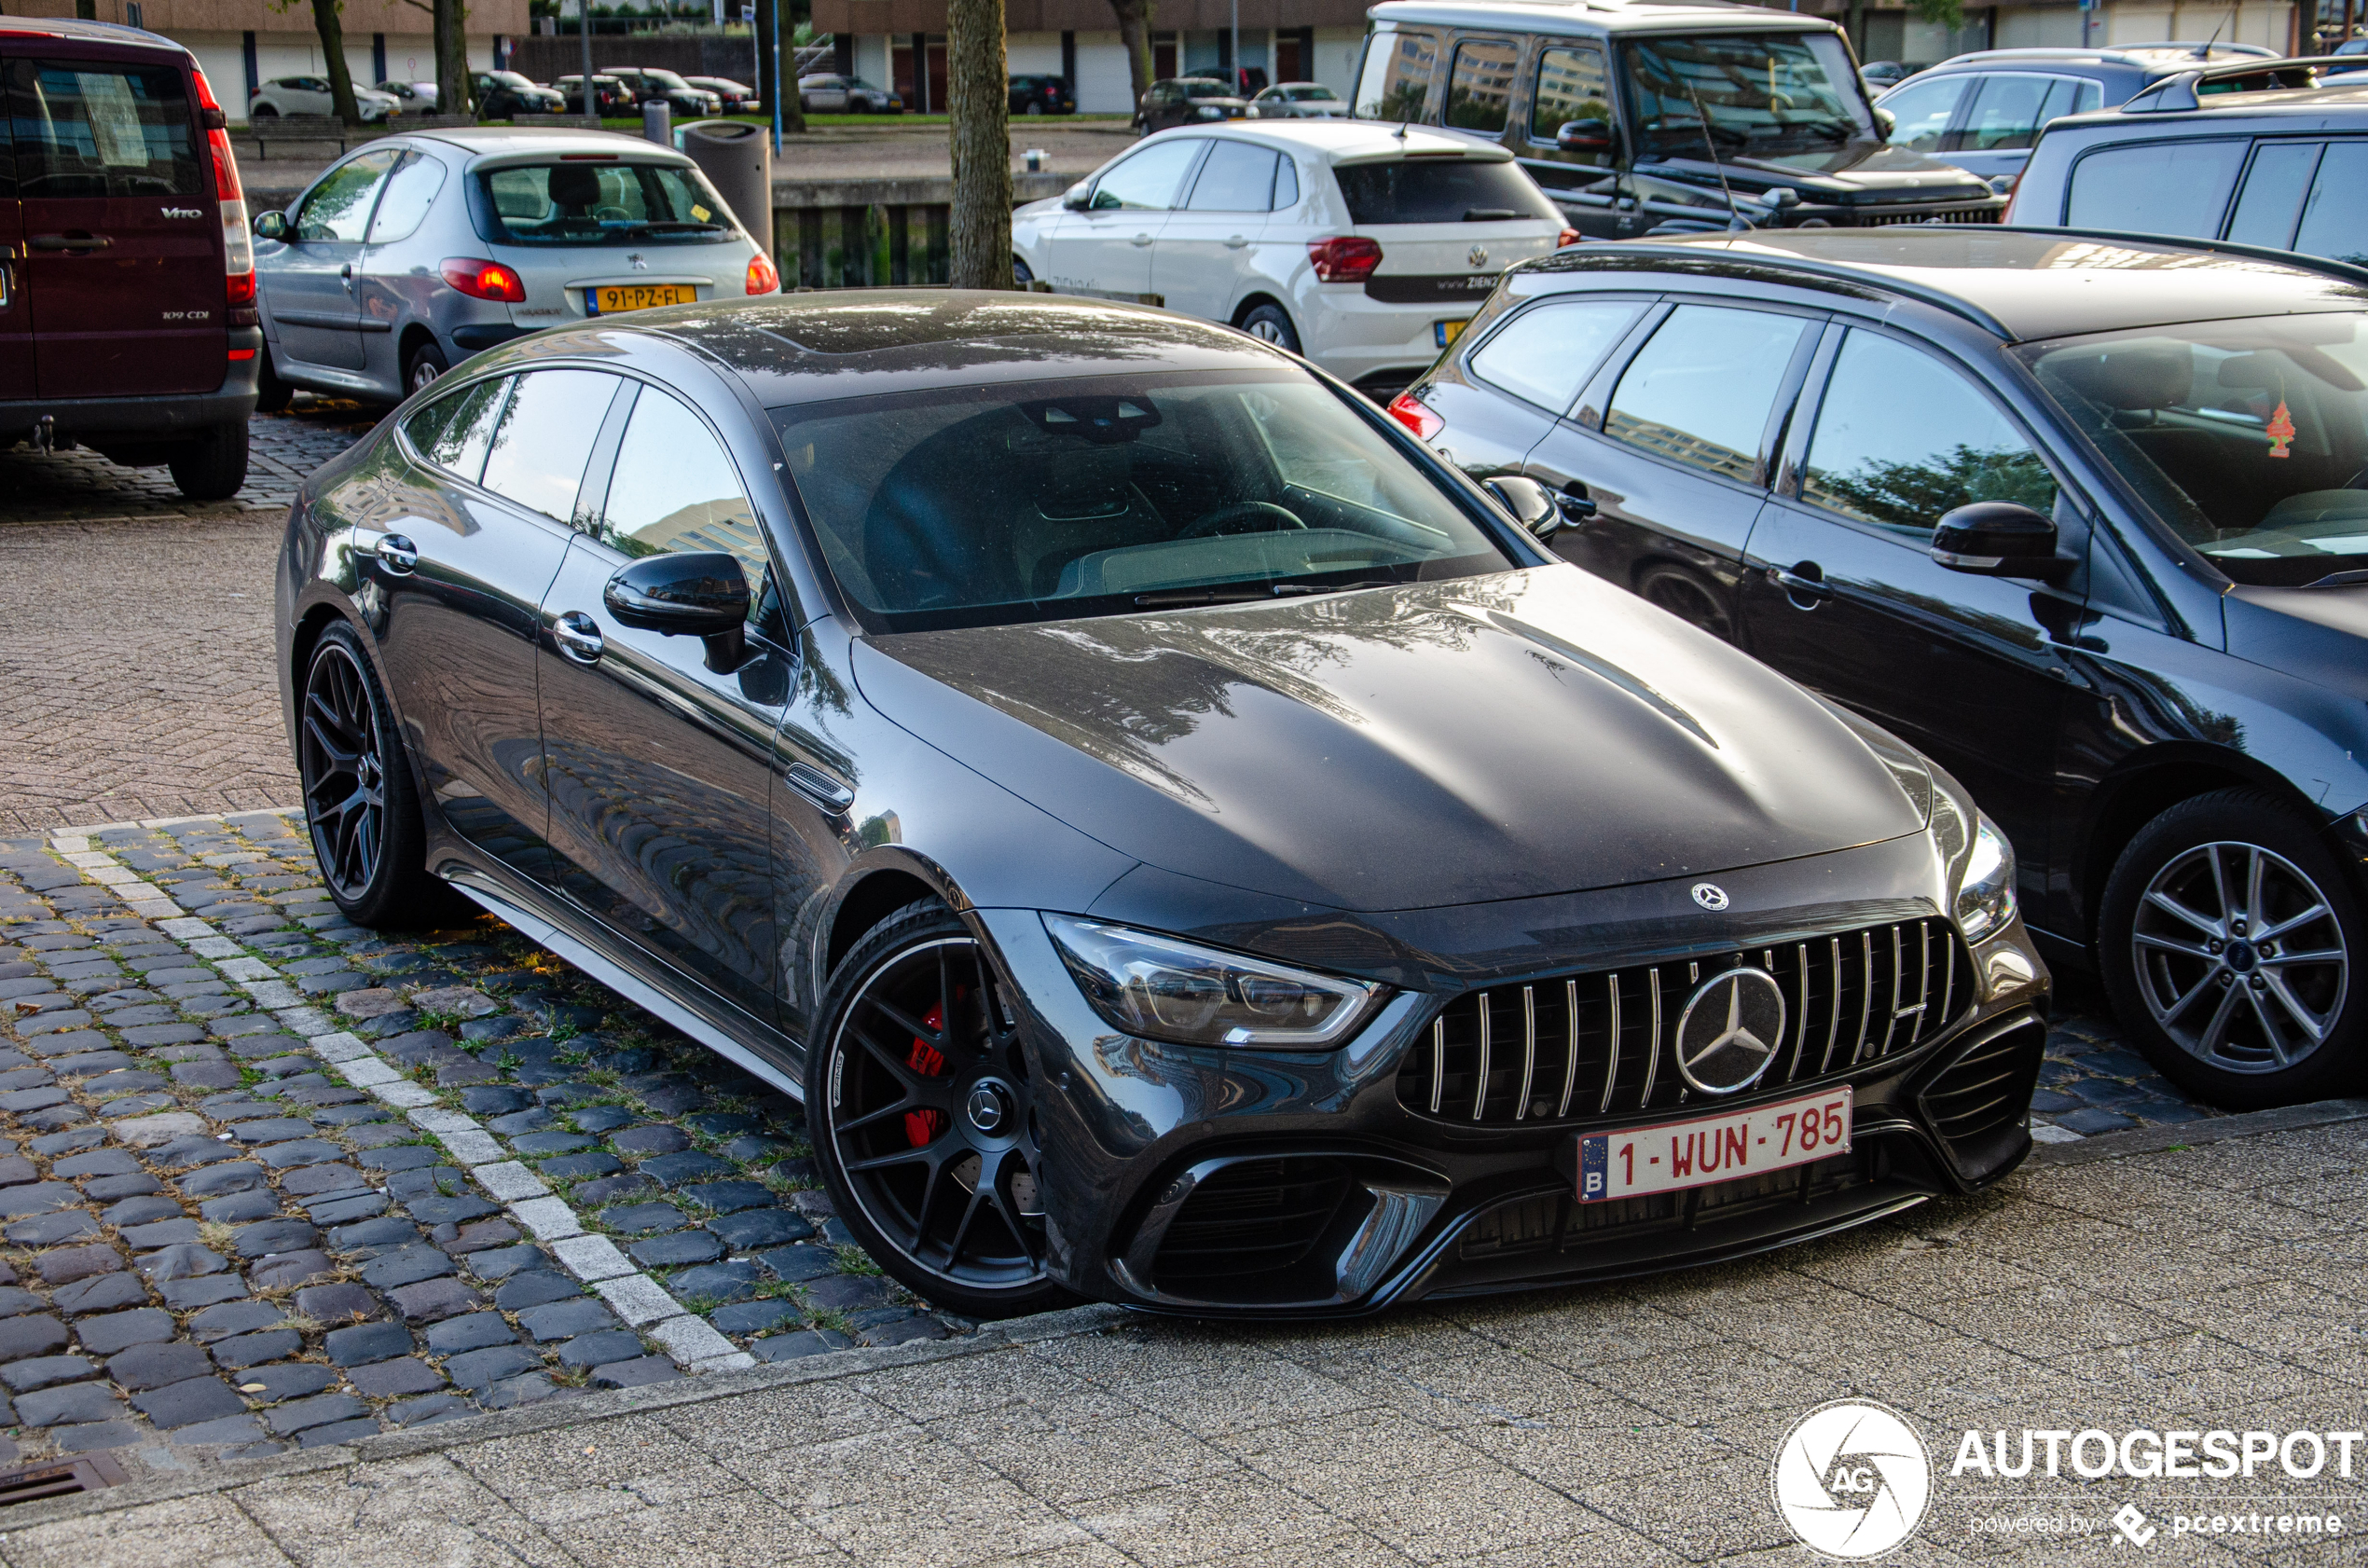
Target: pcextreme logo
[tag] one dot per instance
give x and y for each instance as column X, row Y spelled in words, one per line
column 1851, row 1479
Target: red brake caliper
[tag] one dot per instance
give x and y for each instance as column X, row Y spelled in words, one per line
column 922, row 1125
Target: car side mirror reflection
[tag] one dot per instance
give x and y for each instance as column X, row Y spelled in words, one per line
column 272, row 225
column 1886, row 124
column 1078, row 196
column 703, row 593
column 1587, row 136
column 1532, row 505
column 1999, row 539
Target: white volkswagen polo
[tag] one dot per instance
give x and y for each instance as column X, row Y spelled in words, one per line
column 1364, row 246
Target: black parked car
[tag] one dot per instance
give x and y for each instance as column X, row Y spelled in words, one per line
column 507, row 95
column 610, row 96
column 2086, row 518
column 738, row 98
column 1187, row 101
column 1186, row 843
column 1043, row 95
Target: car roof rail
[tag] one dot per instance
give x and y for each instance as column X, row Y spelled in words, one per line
column 2176, row 92
column 1815, row 267
column 2325, row 267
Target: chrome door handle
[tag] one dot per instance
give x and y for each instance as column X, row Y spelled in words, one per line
column 398, row 555
column 829, row 793
column 1142, row 239
column 1797, row 585
column 578, row 637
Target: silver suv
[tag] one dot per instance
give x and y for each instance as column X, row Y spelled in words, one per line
column 415, row 252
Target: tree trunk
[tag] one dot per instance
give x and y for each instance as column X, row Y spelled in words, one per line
column 978, row 90
column 451, row 59
column 1134, row 32
column 764, row 82
column 332, row 31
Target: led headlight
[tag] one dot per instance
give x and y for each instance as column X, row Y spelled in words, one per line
column 1986, row 884
column 1165, row 988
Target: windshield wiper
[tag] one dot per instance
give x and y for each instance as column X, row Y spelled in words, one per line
column 2339, row 578
column 1245, row 593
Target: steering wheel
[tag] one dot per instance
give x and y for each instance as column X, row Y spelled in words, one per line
column 1270, row 519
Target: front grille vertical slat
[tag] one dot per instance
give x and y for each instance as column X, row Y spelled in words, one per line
column 1948, row 977
column 1891, row 1020
column 1479, row 1080
column 1570, row 1063
column 1865, row 998
column 1611, row 1063
column 1529, row 1050
column 1800, row 1011
column 1834, row 1024
column 1652, row 1044
column 1438, row 1060
column 1923, row 980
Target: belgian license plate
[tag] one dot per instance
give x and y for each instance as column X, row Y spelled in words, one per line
column 607, row 299
column 1706, row 1148
column 1447, row 331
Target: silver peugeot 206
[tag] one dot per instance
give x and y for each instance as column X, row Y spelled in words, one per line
column 417, row 251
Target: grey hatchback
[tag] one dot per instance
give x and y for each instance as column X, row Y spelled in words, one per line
column 415, row 252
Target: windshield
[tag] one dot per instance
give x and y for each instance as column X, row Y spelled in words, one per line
column 1441, row 190
column 1207, row 90
column 508, row 79
column 602, row 204
column 1761, row 93
column 1312, row 95
column 2248, row 438
column 1108, row 496
column 664, row 78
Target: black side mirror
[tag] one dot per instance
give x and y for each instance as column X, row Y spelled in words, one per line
column 1587, row 136
column 1999, row 539
column 272, row 225
column 1531, row 504
column 702, row 594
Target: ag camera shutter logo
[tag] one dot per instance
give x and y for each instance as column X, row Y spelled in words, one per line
column 1851, row 1479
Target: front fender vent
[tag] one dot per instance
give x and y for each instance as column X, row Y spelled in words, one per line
column 1979, row 1102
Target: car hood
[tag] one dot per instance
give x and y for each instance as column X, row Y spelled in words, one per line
column 1852, row 171
column 1501, row 737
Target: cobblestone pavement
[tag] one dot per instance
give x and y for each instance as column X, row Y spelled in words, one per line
column 270, row 1179
column 1631, row 1424
column 57, row 487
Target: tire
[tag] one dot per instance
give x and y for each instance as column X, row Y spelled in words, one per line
column 897, row 1093
column 421, row 367
column 263, row 111
column 1270, row 324
column 271, row 394
column 1021, row 273
column 215, row 465
column 359, row 800
column 2230, row 1016
column 1034, row 108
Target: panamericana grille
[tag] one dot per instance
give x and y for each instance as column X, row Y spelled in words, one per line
column 1989, row 213
column 1602, row 1044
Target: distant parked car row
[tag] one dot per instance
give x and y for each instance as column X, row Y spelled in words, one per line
column 508, row 95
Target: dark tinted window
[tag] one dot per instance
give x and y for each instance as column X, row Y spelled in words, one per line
column 546, row 438
column 87, row 129
column 604, row 204
column 1545, row 355
column 1440, row 190
column 1702, row 391
column 1237, row 178
column 675, row 489
column 2155, row 188
column 1762, row 94
column 2334, row 221
column 1902, row 438
column 454, row 431
column 1397, row 77
column 1570, row 86
column 1480, row 84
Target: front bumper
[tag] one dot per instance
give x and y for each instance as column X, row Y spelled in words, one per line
column 1210, row 1181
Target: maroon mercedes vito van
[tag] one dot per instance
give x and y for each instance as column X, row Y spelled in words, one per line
column 127, row 277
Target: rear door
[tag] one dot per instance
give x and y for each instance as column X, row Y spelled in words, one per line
column 121, row 236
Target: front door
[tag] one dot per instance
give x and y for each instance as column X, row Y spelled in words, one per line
column 310, row 282
column 1569, row 87
column 122, row 269
column 1842, row 595
column 660, row 764
column 1106, row 249
column 1676, row 460
column 1201, row 261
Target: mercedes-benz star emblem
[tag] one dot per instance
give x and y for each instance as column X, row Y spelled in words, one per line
column 985, row 1109
column 1478, row 255
column 1730, row 1031
column 1711, row 896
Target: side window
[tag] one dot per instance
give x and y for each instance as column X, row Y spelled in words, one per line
column 546, row 438
column 1480, row 84
column 408, row 195
column 675, row 489
column 1397, row 79
column 338, row 208
column 1545, row 355
column 2272, row 197
column 1148, row 181
column 1902, row 438
column 2333, row 223
column 1285, row 184
column 1923, row 111
column 2155, row 188
column 1570, row 86
column 2007, row 113
column 1701, row 392
column 454, row 432
column 88, row 128
column 1237, row 178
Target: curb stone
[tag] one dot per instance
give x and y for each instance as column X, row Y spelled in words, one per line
column 2242, row 1125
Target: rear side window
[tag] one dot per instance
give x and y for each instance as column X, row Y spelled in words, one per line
column 2273, row 194
column 1922, row 110
column 2010, row 110
column 454, row 431
column 1545, row 355
column 586, row 203
column 87, row 129
column 1570, row 86
column 1440, row 190
column 1237, row 178
column 1397, row 79
column 2334, row 222
column 1480, row 84
column 1701, row 392
column 546, row 438
column 2155, row 188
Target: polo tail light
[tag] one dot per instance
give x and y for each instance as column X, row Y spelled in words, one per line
column 762, row 279
column 238, row 245
column 484, row 280
column 1410, row 411
column 1347, row 258
column 1570, row 237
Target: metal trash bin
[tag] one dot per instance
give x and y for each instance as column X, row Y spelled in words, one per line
column 736, row 157
column 657, row 122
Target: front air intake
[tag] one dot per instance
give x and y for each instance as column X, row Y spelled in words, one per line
column 1979, row 1101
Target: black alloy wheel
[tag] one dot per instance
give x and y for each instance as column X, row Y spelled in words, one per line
column 358, row 797
column 923, row 1107
column 2227, row 936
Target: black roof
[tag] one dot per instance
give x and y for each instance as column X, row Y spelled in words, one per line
column 2018, row 284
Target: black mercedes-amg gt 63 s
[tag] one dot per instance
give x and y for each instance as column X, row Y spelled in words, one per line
column 1187, row 844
